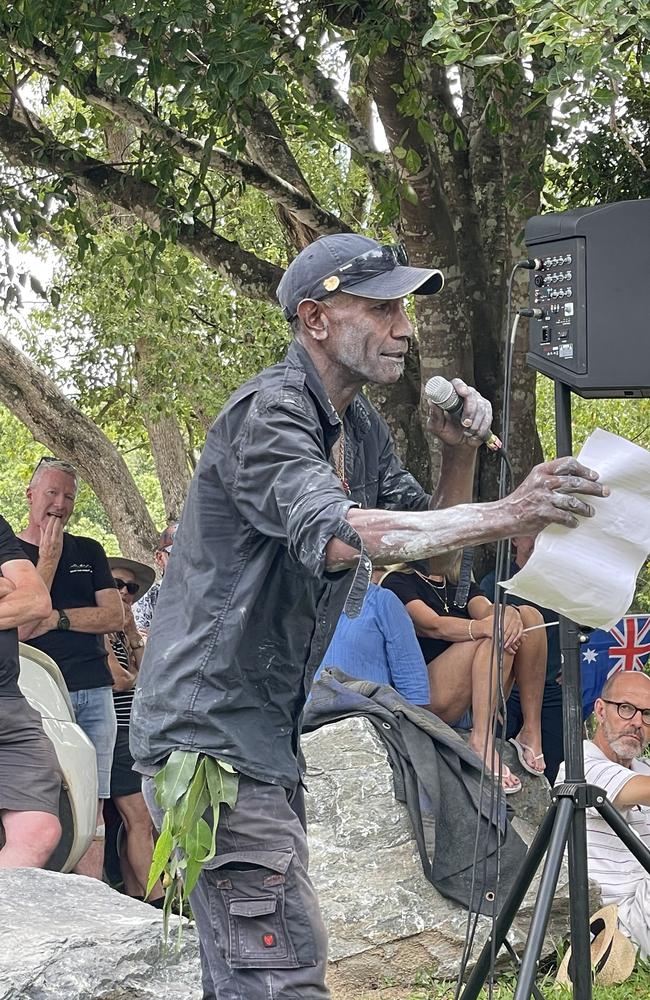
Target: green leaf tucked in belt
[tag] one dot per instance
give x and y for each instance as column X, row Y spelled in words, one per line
column 189, row 787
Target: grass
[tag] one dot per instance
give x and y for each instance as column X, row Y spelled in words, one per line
column 637, row 987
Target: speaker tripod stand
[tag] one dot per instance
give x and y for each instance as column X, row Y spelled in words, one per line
column 565, row 822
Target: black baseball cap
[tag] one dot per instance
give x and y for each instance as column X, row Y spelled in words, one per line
column 356, row 264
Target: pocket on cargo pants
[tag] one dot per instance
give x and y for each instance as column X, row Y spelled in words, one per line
column 257, row 907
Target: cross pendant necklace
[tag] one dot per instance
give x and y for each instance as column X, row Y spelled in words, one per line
column 442, row 597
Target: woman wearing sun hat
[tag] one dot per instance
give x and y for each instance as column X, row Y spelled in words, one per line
column 133, row 579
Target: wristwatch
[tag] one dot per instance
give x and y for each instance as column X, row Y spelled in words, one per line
column 63, row 623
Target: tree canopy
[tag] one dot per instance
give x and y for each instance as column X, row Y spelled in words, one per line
column 176, row 155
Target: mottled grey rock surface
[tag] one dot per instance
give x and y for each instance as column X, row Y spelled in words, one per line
column 385, row 919
column 66, row 937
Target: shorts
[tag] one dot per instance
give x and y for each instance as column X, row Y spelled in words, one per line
column 124, row 780
column 95, row 713
column 30, row 779
column 465, row 722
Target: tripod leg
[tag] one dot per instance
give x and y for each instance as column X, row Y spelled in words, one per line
column 541, row 913
column 516, row 961
column 511, row 904
column 580, row 967
column 612, row 816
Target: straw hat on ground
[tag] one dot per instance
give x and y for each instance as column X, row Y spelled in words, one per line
column 612, row 953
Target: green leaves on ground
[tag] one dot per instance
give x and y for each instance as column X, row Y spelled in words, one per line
column 190, row 787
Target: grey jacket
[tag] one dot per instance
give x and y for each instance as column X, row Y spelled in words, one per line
column 439, row 778
column 247, row 609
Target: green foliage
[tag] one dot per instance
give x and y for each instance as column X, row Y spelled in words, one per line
column 19, row 455
column 628, row 417
column 187, row 787
column 179, row 348
column 601, row 163
column 197, row 72
column 637, row 987
column 573, row 50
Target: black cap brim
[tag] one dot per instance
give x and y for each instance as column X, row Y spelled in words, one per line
column 395, row 284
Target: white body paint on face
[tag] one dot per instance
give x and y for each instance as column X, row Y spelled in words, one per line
column 368, row 338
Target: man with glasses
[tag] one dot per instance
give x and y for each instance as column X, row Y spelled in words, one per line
column 614, row 761
column 144, row 608
column 85, row 607
column 297, row 491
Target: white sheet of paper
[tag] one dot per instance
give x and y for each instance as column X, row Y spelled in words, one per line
column 588, row 573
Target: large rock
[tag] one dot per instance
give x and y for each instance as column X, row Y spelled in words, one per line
column 384, row 917
column 66, row 937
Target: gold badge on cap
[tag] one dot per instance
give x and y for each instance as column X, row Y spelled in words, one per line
column 331, row 283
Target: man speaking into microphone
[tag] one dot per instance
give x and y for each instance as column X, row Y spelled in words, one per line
column 297, row 492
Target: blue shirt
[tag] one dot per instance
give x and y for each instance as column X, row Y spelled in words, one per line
column 380, row 645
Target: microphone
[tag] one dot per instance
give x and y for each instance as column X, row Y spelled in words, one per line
column 440, row 391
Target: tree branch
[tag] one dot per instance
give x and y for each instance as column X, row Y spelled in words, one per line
column 253, row 276
column 304, row 208
column 39, row 404
column 321, row 90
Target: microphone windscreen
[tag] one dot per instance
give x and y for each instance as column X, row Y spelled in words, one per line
column 440, row 391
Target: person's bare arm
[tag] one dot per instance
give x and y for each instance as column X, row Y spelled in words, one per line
column 123, row 679
column 23, row 594
column 107, row 616
column 456, row 481
column 548, row 495
column 49, row 550
column 433, row 626
column 135, row 640
column 483, row 611
column 635, row 792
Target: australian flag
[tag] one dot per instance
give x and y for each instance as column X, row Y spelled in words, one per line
column 625, row 647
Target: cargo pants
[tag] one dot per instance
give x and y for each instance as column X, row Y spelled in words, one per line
column 260, row 927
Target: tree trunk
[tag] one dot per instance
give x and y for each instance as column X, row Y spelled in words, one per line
column 170, row 458
column 37, row 402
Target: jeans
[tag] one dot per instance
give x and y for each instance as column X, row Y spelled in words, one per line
column 95, row 713
column 262, row 935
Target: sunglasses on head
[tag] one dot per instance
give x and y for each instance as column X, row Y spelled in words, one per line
column 57, row 463
column 131, row 586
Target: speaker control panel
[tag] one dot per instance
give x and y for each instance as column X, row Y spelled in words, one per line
column 558, row 337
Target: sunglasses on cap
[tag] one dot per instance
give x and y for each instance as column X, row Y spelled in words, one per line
column 377, row 260
column 131, row 586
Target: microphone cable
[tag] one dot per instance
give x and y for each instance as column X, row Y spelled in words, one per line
column 502, row 564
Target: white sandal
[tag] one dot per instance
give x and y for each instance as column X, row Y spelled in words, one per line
column 521, row 749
